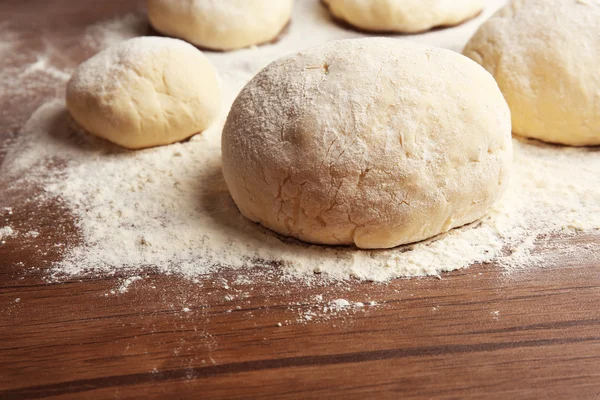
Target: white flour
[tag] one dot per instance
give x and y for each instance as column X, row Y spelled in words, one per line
column 5, row 233
column 169, row 208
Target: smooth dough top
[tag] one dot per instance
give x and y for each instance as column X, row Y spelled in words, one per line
column 145, row 92
column 407, row 16
column 221, row 24
column 375, row 142
column 544, row 55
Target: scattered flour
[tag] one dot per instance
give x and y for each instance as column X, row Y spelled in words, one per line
column 42, row 66
column 324, row 311
column 341, row 305
column 5, row 233
column 124, row 288
column 107, row 33
column 168, row 208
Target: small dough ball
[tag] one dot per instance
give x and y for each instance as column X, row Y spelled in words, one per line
column 221, row 24
column 406, row 16
column 145, row 92
column 375, row 142
column 544, row 55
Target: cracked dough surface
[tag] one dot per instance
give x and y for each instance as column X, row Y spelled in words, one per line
column 221, row 24
column 408, row 16
column 145, row 92
column 374, row 142
column 544, row 55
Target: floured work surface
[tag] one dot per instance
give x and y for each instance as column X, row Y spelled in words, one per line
column 75, row 323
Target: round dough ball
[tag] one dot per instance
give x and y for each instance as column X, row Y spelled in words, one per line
column 145, row 92
column 544, row 55
column 375, row 142
column 221, row 24
column 406, row 16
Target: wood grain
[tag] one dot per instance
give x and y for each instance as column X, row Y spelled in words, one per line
column 475, row 333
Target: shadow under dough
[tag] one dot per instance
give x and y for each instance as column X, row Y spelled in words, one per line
column 64, row 129
column 216, row 202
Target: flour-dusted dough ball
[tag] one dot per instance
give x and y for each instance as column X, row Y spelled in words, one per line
column 145, row 92
column 544, row 55
column 221, row 24
column 408, row 16
column 375, row 142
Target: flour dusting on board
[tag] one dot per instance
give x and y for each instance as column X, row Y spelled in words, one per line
column 169, row 207
column 5, row 233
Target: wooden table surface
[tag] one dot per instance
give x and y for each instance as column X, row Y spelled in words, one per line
column 475, row 333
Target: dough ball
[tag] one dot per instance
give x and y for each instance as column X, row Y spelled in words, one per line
column 544, row 55
column 221, row 24
column 408, row 16
column 375, row 142
column 145, row 92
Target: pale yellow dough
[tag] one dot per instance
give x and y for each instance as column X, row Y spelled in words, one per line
column 221, row 24
column 145, row 92
column 407, row 16
column 374, row 142
column 544, row 55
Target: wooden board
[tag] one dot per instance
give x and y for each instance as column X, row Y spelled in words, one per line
column 475, row 333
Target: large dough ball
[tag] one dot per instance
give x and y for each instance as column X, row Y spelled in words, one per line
column 145, row 92
column 544, row 55
column 221, row 24
column 375, row 142
column 407, row 16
